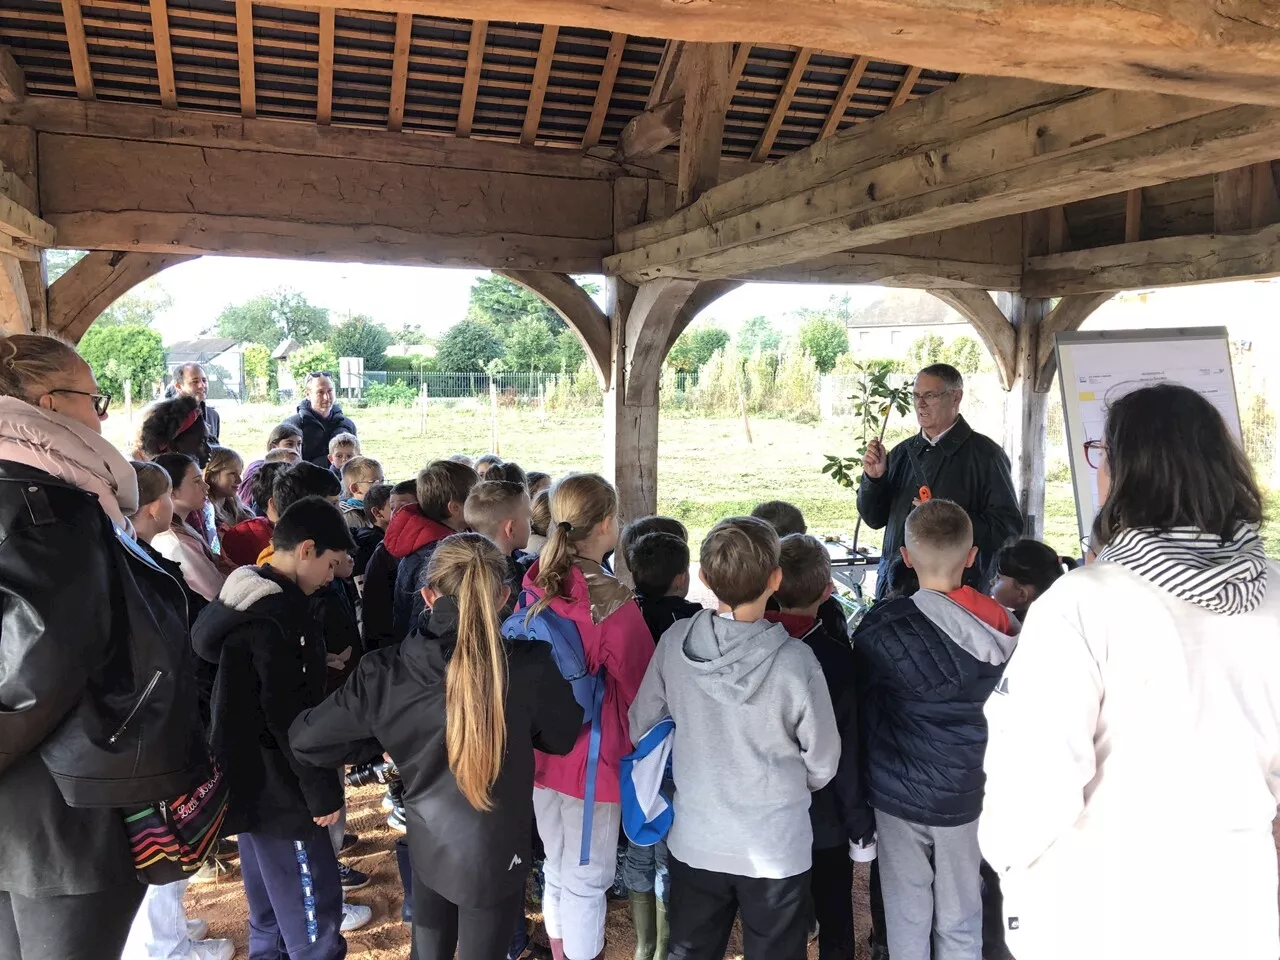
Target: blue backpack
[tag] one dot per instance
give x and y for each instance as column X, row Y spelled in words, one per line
column 562, row 635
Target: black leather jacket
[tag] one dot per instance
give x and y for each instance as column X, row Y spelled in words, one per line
column 61, row 645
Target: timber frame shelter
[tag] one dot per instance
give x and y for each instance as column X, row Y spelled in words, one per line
column 1049, row 152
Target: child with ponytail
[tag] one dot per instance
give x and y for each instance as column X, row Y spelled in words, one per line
column 460, row 712
column 568, row 578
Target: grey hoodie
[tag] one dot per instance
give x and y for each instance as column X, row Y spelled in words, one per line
column 755, row 736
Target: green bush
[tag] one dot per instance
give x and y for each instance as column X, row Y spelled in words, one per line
column 390, row 395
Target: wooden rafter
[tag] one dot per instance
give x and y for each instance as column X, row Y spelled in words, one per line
column 666, row 77
column 400, row 71
column 471, row 80
column 740, row 58
column 164, row 53
column 324, row 68
column 79, row 48
column 782, row 105
column 844, row 97
column 12, row 83
column 1133, row 216
column 244, row 47
column 908, row 84
column 538, row 92
column 604, row 92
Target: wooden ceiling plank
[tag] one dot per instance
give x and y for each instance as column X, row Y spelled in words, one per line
column 782, row 105
column 847, row 89
column 604, row 92
column 79, row 47
column 908, row 84
column 400, row 71
column 164, row 53
column 471, row 81
column 324, row 67
column 244, row 49
column 538, row 92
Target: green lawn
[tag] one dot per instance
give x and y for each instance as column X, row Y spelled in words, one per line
column 706, row 469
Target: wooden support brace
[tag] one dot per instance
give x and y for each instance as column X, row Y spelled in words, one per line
column 707, row 92
column 649, row 324
column 13, row 85
column 577, row 309
column 991, row 325
column 1026, row 410
column 15, row 307
column 1068, row 314
column 630, row 427
column 36, row 279
column 707, row 293
column 651, row 132
column 96, row 281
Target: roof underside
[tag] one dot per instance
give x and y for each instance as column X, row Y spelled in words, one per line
column 120, row 45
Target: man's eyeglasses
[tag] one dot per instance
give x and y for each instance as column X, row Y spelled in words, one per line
column 1095, row 452
column 101, row 401
column 925, row 399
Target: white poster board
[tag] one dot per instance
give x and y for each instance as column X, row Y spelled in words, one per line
column 351, row 373
column 1097, row 368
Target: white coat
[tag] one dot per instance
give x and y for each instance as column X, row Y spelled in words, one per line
column 1133, row 775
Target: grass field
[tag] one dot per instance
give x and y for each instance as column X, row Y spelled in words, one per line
column 706, row 469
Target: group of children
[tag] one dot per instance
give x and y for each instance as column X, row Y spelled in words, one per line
column 796, row 750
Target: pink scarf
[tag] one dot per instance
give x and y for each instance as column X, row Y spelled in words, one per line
column 70, row 451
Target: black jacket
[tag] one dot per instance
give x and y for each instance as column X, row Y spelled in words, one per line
column 367, row 540
column 59, row 637
column 965, row 467
column 661, row 612
column 337, row 606
column 377, row 600
column 926, row 667
column 318, row 431
column 263, row 634
column 396, row 698
column 212, row 419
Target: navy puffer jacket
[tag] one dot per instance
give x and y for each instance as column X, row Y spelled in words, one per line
column 926, row 666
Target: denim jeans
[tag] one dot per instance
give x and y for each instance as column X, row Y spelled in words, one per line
column 644, row 869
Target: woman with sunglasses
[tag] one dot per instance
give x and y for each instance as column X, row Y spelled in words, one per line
column 1133, row 762
column 319, row 418
column 82, row 608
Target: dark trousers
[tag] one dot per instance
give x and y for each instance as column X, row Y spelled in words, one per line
column 295, row 897
column 88, row 926
column 993, row 943
column 703, row 904
column 876, row 896
column 477, row 933
column 519, row 939
column 831, row 885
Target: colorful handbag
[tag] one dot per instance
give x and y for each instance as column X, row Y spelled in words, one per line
column 171, row 839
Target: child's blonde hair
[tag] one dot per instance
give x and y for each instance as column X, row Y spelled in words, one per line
column 344, row 440
column 360, row 470
column 580, row 502
column 541, row 521
column 222, row 460
column 470, row 569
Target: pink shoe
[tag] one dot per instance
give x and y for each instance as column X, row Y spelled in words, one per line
column 557, row 949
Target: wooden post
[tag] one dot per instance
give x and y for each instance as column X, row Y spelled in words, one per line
column 706, row 68
column 630, row 425
column 742, row 402
column 1026, row 410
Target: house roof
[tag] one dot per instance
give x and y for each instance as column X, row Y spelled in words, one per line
column 192, row 351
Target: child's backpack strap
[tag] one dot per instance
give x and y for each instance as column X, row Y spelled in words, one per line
column 593, row 764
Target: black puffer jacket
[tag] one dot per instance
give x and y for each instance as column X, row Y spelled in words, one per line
column 926, row 666
column 396, row 697
column 965, row 467
column 60, row 636
column 317, row 431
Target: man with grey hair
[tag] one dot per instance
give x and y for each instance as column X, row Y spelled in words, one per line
column 190, row 380
column 947, row 460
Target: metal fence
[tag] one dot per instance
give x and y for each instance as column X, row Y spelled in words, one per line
column 454, row 386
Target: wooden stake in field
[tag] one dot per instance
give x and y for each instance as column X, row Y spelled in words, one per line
column 422, row 406
column 493, row 416
column 742, row 402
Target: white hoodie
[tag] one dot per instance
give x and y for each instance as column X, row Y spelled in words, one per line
column 1133, row 774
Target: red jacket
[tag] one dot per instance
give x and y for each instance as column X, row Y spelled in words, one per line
column 615, row 637
column 244, row 542
column 409, row 530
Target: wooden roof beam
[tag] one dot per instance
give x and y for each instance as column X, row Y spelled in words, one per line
column 708, row 87
column 400, row 71
column 164, row 53
column 79, row 47
column 666, row 79
column 471, row 80
column 904, row 89
column 604, row 91
column 538, row 91
column 1063, row 145
column 1166, row 262
column 324, row 68
column 12, row 83
column 18, row 222
column 244, row 49
column 847, row 89
column 1186, row 48
column 782, row 105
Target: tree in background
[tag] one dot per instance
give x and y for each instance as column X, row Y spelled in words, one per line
column 360, row 336
column 467, row 346
column 925, row 351
column 313, row 357
column 58, row 262
column 409, row 334
column 965, row 354
column 758, row 333
column 694, row 348
column 137, row 308
column 259, row 373
column 570, row 354
column 531, row 347
column 273, row 317
column 502, row 303
column 118, row 353
column 825, row 339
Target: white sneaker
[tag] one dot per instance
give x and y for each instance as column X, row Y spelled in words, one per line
column 211, row 950
column 355, row 916
column 197, row 929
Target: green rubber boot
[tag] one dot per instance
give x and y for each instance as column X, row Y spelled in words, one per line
column 644, row 917
column 660, row 941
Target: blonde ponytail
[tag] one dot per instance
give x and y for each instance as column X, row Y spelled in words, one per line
column 580, row 502
column 471, row 570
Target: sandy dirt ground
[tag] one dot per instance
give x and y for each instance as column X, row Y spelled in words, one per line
column 386, row 938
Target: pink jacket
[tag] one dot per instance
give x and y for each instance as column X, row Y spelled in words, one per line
column 183, row 544
column 614, row 636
